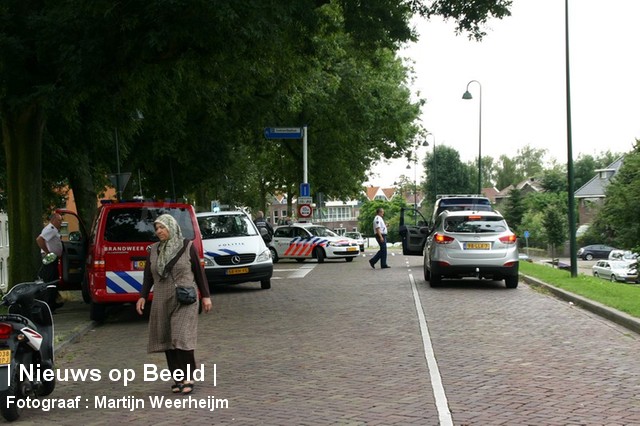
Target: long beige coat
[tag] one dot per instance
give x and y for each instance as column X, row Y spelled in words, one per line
column 172, row 325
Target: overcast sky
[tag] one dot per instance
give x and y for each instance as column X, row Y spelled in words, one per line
column 520, row 65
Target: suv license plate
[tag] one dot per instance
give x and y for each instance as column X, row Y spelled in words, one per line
column 237, row 271
column 5, row 356
column 477, row 246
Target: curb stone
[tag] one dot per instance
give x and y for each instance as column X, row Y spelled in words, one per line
column 614, row 315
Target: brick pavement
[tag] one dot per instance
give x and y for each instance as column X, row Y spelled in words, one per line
column 343, row 347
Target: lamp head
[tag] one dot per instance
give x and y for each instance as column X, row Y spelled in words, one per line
column 467, row 95
column 425, row 143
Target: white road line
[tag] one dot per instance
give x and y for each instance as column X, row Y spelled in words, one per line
column 436, row 381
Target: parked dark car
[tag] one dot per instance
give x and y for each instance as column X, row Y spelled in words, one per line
column 595, row 251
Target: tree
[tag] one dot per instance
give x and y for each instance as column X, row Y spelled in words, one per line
column 515, row 209
column 507, row 172
column 617, row 221
column 194, row 69
column 554, row 223
column 456, row 180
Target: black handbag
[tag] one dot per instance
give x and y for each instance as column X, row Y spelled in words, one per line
column 186, row 295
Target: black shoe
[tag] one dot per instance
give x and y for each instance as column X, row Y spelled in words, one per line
column 373, row 265
column 385, row 267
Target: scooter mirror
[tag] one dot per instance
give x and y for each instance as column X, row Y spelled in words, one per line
column 49, row 258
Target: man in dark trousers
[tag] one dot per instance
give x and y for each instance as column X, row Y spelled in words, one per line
column 380, row 230
column 49, row 241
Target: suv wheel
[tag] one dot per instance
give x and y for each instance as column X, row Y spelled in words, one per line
column 427, row 273
column 511, row 282
column 265, row 284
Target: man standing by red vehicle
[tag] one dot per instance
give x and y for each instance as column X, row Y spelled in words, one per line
column 49, row 241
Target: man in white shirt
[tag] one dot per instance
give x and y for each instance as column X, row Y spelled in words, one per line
column 380, row 230
column 49, row 241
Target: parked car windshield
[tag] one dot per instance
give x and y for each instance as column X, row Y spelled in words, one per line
column 136, row 224
column 321, row 231
column 474, row 224
column 225, row 226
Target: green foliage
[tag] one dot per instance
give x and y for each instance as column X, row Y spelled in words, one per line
column 515, row 209
column 391, row 217
column 618, row 219
column 623, row 297
column 554, row 223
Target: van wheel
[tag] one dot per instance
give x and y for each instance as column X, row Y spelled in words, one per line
column 300, row 260
column 274, row 255
column 319, row 255
column 349, row 259
column 265, row 284
column 98, row 312
column 86, row 295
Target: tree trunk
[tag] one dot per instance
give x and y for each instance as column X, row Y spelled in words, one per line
column 22, row 129
column 84, row 194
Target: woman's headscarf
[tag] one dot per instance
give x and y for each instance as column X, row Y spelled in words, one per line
column 169, row 248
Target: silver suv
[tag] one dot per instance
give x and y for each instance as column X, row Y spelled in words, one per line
column 471, row 244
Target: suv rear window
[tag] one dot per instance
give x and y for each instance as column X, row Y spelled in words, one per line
column 475, row 224
column 128, row 225
column 461, row 203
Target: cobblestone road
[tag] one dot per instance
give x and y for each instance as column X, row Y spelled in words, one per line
column 342, row 344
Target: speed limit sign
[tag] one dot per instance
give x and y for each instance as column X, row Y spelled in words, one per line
column 305, row 210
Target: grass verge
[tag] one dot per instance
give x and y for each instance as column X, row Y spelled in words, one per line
column 620, row 296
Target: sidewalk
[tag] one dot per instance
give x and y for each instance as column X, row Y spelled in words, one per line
column 71, row 320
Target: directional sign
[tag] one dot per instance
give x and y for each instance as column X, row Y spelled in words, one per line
column 304, row 200
column 283, row 132
column 305, row 190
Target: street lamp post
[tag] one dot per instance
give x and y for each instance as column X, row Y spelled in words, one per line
column 467, row 95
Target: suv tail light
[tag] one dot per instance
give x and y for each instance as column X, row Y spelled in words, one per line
column 508, row 239
column 443, row 239
column 5, row 330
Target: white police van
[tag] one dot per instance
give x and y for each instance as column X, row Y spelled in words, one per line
column 234, row 251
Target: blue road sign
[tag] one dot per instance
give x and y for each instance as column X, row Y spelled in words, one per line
column 526, row 234
column 305, row 190
column 283, row 132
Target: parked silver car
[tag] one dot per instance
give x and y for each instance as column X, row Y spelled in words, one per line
column 471, row 243
column 615, row 270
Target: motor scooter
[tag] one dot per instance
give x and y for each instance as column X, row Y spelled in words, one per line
column 26, row 345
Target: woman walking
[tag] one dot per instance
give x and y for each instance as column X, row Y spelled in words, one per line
column 173, row 327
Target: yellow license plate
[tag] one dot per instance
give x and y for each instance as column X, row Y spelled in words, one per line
column 237, row 271
column 477, row 246
column 352, row 248
column 5, row 356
